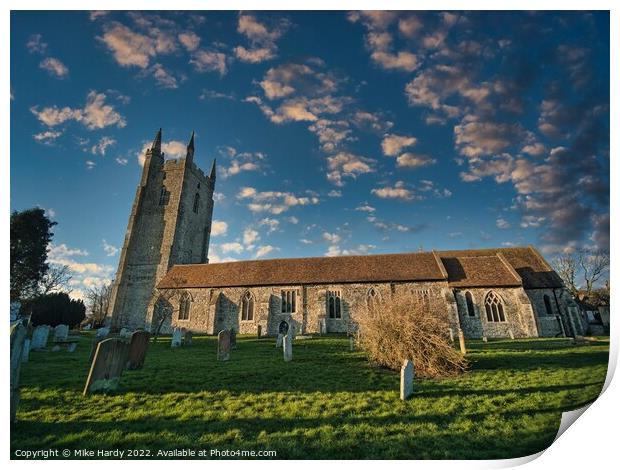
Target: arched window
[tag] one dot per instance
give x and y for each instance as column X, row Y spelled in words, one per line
column 289, row 301
column 333, row 304
column 548, row 305
column 247, row 307
column 373, row 298
column 184, row 307
column 470, row 304
column 494, row 307
column 196, row 202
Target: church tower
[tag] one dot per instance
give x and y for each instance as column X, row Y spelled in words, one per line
column 170, row 223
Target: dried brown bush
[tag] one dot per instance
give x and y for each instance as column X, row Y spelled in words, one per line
column 404, row 328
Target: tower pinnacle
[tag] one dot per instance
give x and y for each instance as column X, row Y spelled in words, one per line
column 212, row 175
column 190, row 149
column 156, row 147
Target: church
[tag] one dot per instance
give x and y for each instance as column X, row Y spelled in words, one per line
column 164, row 273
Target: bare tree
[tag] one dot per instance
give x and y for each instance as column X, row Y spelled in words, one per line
column 593, row 263
column 98, row 300
column 55, row 280
column 566, row 266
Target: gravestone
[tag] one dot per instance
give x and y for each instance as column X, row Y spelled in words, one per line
column 406, row 379
column 15, row 309
column 102, row 332
column 485, row 339
column 61, row 332
column 188, row 338
column 223, row 345
column 279, row 340
column 233, row 339
column 71, row 347
column 177, row 338
column 511, row 333
column 322, row 326
column 26, row 351
column 351, row 344
column 462, row 342
column 451, row 335
column 287, row 347
column 259, row 331
column 109, row 362
column 39, row 337
column 125, row 333
column 98, row 339
column 138, row 346
column 18, row 336
column 55, row 348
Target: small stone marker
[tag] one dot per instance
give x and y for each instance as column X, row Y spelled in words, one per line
column 279, row 340
column 18, row 336
column 71, row 347
column 61, row 332
column 102, row 332
column 259, row 331
column 39, row 337
column 55, row 348
column 462, row 341
column 406, row 379
column 351, row 344
column 451, row 335
column 485, row 339
column 109, row 362
column 177, row 338
column 138, row 345
column 511, row 333
column 26, row 351
column 188, row 338
column 223, row 345
column 233, row 339
column 287, row 347
column 322, row 326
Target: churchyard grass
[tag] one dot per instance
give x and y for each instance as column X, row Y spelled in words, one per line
column 327, row 403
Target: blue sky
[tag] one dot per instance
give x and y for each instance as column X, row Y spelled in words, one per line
column 334, row 132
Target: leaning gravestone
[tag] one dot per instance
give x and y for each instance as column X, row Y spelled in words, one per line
column 108, row 364
column 60, row 333
column 279, row 340
column 188, row 338
column 18, row 336
column 287, row 347
column 511, row 333
column 138, row 345
column 462, row 342
column 406, row 379
column 233, row 339
column 223, row 345
column 39, row 337
column 26, row 351
column 177, row 338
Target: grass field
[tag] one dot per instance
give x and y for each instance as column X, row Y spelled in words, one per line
column 327, row 403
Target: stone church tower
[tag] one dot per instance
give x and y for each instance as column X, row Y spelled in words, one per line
column 170, row 223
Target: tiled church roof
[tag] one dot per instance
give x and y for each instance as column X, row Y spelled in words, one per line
column 495, row 267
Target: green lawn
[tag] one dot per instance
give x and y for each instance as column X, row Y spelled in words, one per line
column 327, row 403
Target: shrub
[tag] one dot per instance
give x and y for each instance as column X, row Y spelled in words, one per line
column 56, row 309
column 403, row 328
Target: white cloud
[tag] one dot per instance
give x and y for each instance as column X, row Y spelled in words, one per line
column 121, row 161
column 365, row 208
column 335, row 193
column 55, row 67
column 271, row 224
column 234, row 247
column 274, row 202
column 218, row 227
column 190, row 40
column 349, row 165
column 110, row 250
column 262, row 38
column 402, row 60
column 90, row 164
column 332, row 238
column 172, row 149
column 392, row 144
column 36, row 45
column 502, row 224
column 96, row 114
column 47, row 137
column 101, row 147
column 163, row 77
column 398, row 191
column 210, row 61
column 250, row 237
column 410, row 160
column 264, row 250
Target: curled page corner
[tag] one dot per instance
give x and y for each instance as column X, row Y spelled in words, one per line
column 568, row 418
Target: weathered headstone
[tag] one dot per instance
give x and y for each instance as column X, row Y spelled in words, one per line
column 138, row 346
column 511, row 333
column 109, row 362
column 451, row 335
column 188, row 338
column 71, row 347
column 287, row 347
column 279, row 340
column 322, row 326
column 462, row 341
column 61, row 332
column 485, row 339
column 223, row 345
column 98, row 339
column 177, row 338
column 233, row 338
column 351, row 343
column 102, row 332
column 259, row 331
column 125, row 333
column 39, row 337
column 15, row 309
column 18, row 336
column 55, row 348
column 26, row 351
column 406, row 379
